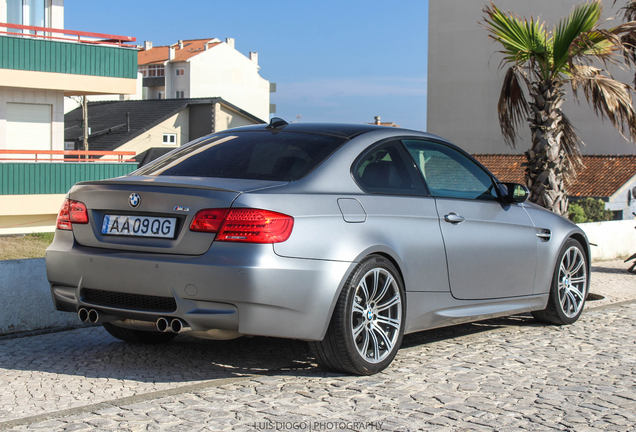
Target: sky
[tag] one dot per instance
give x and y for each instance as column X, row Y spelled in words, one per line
column 343, row 61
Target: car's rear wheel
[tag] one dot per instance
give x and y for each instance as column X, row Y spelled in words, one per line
column 138, row 336
column 569, row 286
column 367, row 324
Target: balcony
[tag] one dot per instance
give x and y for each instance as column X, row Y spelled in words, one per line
column 73, row 61
column 33, row 183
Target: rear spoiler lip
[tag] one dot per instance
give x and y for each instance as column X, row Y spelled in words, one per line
column 187, row 183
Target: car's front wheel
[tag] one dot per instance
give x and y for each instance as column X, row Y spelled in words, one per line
column 367, row 324
column 569, row 286
column 138, row 336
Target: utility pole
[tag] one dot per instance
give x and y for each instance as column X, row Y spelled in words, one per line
column 85, row 121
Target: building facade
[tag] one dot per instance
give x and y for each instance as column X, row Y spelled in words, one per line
column 205, row 68
column 465, row 78
column 40, row 64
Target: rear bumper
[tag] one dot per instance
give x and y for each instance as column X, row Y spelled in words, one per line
column 240, row 287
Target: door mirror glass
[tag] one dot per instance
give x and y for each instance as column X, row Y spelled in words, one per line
column 513, row 192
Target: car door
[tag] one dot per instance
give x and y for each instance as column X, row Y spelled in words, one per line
column 491, row 246
column 401, row 215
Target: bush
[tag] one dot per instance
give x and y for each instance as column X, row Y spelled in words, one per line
column 589, row 210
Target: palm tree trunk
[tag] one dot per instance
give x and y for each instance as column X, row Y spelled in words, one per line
column 546, row 160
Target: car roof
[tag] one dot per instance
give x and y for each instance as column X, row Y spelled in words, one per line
column 343, row 130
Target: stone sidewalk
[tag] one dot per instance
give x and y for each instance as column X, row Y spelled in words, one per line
column 504, row 374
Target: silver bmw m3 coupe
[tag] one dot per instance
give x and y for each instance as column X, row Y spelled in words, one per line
column 346, row 236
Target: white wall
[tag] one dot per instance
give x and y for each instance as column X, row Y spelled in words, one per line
column 50, row 97
column 464, row 79
column 614, row 239
column 179, row 124
column 226, row 118
column 224, row 72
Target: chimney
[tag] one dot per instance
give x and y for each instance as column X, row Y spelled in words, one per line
column 254, row 57
column 230, row 42
column 205, row 46
column 147, row 45
column 171, row 53
column 180, row 44
column 377, row 120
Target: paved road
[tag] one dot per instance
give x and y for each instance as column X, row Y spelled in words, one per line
column 504, row 374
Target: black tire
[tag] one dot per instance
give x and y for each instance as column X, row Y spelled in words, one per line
column 378, row 319
column 138, row 336
column 569, row 287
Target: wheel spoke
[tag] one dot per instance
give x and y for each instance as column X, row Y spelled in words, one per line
column 376, row 282
column 376, row 345
column 384, row 306
column 579, row 263
column 577, row 280
column 358, row 330
column 365, row 343
column 576, row 294
column 395, row 323
column 385, row 288
column 384, row 336
column 357, row 307
column 365, row 290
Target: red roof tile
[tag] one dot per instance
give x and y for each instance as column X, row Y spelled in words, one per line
column 159, row 55
column 602, row 176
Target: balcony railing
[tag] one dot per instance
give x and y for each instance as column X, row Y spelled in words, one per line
column 66, row 35
column 63, row 156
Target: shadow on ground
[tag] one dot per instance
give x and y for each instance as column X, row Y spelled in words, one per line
column 92, row 353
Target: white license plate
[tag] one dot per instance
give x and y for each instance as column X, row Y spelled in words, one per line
column 142, row 226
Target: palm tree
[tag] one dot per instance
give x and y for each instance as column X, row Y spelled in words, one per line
column 545, row 62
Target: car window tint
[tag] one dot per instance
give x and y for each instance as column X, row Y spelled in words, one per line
column 383, row 171
column 247, row 155
column 449, row 173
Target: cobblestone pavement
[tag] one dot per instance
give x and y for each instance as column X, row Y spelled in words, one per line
column 504, row 374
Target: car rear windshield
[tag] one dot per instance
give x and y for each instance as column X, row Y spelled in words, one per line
column 282, row 156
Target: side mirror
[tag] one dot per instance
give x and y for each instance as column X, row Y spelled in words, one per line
column 513, row 192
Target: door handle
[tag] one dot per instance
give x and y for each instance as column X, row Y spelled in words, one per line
column 454, row 218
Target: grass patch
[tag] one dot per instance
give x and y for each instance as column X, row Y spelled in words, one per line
column 25, row 246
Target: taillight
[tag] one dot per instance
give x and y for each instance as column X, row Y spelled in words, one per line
column 71, row 212
column 208, row 220
column 244, row 225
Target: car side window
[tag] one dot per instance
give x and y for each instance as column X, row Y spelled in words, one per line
column 383, row 170
column 450, row 174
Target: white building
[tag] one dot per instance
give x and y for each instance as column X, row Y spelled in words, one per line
column 205, row 68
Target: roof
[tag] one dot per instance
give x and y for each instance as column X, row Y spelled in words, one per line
column 602, row 176
column 344, row 130
column 109, row 128
column 161, row 54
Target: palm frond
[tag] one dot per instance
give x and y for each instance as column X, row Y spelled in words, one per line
column 521, row 39
column 629, row 10
column 583, row 19
column 609, row 98
column 512, row 106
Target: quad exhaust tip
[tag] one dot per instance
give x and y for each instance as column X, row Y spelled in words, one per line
column 88, row 315
column 174, row 326
column 82, row 314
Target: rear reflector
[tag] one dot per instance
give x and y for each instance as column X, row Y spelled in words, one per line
column 71, row 212
column 244, row 225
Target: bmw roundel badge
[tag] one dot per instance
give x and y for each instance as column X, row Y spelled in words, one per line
column 134, row 200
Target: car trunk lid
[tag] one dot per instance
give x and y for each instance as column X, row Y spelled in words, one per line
column 168, row 204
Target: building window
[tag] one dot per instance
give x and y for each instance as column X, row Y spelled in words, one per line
column 169, row 139
column 144, row 71
column 156, row 70
column 28, row 12
column 160, row 95
column 180, row 72
column 179, row 94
